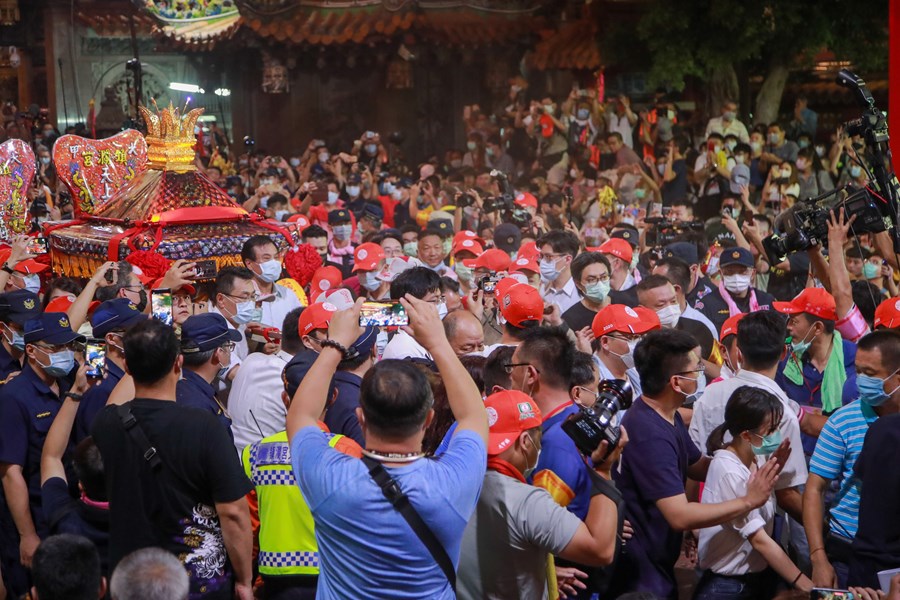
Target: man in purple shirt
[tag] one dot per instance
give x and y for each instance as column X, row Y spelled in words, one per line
column 656, row 463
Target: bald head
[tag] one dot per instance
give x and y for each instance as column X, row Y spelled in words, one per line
column 464, row 332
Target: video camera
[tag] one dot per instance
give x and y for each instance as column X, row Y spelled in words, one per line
column 666, row 231
column 805, row 224
column 594, row 424
column 876, row 206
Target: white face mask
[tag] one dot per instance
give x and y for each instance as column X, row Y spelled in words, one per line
column 530, row 470
column 668, row 316
column 736, row 284
column 32, row 283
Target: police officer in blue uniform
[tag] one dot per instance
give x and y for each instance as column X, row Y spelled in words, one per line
column 110, row 321
column 206, row 345
column 16, row 309
column 28, row 404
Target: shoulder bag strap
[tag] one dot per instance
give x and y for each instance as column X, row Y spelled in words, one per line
column 400, row 501
column 136, row 432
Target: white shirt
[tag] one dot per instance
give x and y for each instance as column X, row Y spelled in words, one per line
column 622, row 125
column 274, row 312
column 633, row 378
column 257, row 389
column 565, row 298
column 735, row 128
column 724, row 548
column 402, row 345
column 692, row 313
column 709, row 413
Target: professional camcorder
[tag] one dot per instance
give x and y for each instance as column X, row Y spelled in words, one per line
column 505, row 202
column 806, row 223
column 666, row 231
column 596, row 423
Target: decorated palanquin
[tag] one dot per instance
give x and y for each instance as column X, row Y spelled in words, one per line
column 167, row 206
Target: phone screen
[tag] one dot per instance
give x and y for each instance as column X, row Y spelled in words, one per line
column 828, row 594
column 383, row 314
column 95, row 356
column 161, row 305
column 38, row 245
column 205, row 269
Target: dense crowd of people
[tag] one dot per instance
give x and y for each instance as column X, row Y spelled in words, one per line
column 559, row 363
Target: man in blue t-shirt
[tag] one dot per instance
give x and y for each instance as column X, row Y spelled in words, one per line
column 656, row 463
column 366, row 547
column 837, row 450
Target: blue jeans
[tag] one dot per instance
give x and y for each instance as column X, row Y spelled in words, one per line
column 753, row 586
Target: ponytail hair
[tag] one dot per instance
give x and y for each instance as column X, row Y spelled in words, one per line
column 746, row 410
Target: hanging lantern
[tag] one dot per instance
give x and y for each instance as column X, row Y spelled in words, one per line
column 9, row 12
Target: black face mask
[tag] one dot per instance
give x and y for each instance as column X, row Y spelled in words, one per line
column 142, row 303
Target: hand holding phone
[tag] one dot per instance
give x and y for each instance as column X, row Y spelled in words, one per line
column 161, row 305
column 383, row 314
column 38, row 245
column 95, row 357
column 205, row 269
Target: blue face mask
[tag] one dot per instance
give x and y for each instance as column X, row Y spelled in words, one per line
column 871, row 389
column 342, row 232
column 280, row 215
column 549, row 272
column 855, row 171
column 871, row 271
column 270, row 271
column 17, row 341
column 583, row 114
column 371, row 148
column 246, row 311
column 332, row 197
column 369, row 281
column 61, row 364
column 353, row 191
column 769, row 445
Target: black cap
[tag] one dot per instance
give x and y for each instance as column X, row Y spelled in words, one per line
column 205, row 332
column 53, row 328
column 118, row 313
column 507, row 237
column 19, row 306
column 297, row 369
column 338, row 216
column 373, row 211
column 353, row 178
column 440, row 227
column 736, row 256
column 628, row 235
column 686, row 251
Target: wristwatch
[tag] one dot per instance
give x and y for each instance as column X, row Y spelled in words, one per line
column 7, row 268
column 73, row 396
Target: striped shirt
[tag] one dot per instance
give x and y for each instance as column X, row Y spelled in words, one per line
column 839, row 445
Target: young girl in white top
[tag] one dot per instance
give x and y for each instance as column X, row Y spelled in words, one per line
column 739, row 557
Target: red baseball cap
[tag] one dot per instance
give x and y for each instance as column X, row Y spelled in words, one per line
column 503, row 286
column 528, row 250
column 888, row 314
column 63, row 303
column 494, row 260
column 617, row 247
column 466, row 245
column 730, row 326
column 624, row 319
column 466, row 234
column 814, row 301
column 509, row 412
column 315, row 316
column 325, row 278
column 301, row 220
column 524, row 264
column 367, row 256
column 521, row 303
column 526, row 199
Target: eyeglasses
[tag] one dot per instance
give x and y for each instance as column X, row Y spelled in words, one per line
column 508, row 367
column 698, row 370
column 254, row 297
column 543, row 256
column 591, row 397
column 438, row 300
column 592, row 280
column 54, row 348
column 228, row 346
